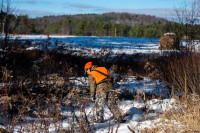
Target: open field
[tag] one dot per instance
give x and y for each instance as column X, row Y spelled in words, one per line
column 44, row 89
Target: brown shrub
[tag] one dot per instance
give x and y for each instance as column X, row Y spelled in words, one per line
column 3, row 130
column 152, row 70
column 5, row 100
column 183, row 74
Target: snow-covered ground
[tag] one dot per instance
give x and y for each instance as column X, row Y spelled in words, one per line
column 76, row 44
column 141, row 112
column 136, row 107
column 94, row 44
column 137, row 119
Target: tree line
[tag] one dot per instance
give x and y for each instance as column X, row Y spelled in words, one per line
column 17, row 24
column 87, row 27
column 94, row 28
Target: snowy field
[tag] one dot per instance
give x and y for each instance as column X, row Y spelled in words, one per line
column 116, row 45
column 141, row 112
column 137, row 119
column 91, row 45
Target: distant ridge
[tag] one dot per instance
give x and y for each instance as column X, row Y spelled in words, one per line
column 116, row 18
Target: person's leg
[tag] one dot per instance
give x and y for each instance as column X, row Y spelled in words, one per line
column 112, row 105
column 100, row 101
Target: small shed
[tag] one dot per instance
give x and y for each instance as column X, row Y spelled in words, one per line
column 169, row 41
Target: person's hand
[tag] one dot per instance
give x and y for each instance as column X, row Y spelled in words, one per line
column 92, row 99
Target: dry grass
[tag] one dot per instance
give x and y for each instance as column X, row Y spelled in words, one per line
column 179, row 119
column 42, row 114
column 182, row 71
column 53, row 70
column 37, row 86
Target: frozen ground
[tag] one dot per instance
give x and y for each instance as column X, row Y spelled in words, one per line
column 137, row 119
column 115, row 45
column 90, row 45
column 136, row 107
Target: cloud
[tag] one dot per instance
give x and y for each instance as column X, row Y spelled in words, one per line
column 77, row 8
column 35, row 13
column 85, row 7
column 30, row 2
column 167, row 13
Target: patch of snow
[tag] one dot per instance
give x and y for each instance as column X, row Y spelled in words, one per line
column 2, row 127
column 169, row 34
column 32, row 48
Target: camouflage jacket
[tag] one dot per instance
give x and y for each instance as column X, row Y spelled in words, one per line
column 102, row 88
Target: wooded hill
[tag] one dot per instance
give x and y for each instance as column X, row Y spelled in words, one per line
column 109, row 24
column 115, row 18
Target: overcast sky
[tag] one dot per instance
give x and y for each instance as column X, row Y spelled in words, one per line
column 38, row 8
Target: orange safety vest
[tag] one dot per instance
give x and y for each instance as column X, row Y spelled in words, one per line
column 97, row 75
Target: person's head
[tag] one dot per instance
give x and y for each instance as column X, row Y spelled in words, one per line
column 88, row 67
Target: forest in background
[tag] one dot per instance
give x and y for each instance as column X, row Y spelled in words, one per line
column 109, row 24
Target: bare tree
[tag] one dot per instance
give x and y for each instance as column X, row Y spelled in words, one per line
column 188, row 14
column 6, row 12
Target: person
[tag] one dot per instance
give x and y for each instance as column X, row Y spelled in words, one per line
column 102, row 91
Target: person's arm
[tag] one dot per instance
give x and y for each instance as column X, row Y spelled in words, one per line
column 92, row 86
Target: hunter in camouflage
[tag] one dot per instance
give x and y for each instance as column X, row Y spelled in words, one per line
column 102, row 90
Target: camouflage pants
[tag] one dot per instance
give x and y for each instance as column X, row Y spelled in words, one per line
column 110, row 99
